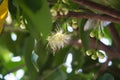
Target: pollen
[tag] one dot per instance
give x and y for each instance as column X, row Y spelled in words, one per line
column 58, row 40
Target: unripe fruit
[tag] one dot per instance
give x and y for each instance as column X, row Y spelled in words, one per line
column 74, row 26
column 65, row 1
column 61, row 13
column 94, row 57
column 74, row 20
column 65, row 11
column 100, row 55
column 89, row 52
column 93, row 34
column 100, row 35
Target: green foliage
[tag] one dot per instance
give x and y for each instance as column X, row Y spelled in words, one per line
column 106, row 76
column 28, row 49
column 57, row 75
column 41, row 51
column 39, row 23
column 1, row 1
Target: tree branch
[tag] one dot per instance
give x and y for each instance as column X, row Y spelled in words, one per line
column 91, row 16
column 99, row 7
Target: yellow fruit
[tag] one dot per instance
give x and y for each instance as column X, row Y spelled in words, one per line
column 93, row 34
column 3, row 13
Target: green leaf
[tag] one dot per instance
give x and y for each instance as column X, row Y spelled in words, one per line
column 41, row 51
column 16, row 47
column 1, row 1
column 40, row 21
column 80, row 76
column 84, row 35
column 34, row 60
column 12, row 9
column 117, row 26
column 78, row 59
column 28, row 48
column 106, row 76
column 12, row 65
column 32, row 3
column 110, row 3
column 107, row 34
column 60, row 56
column 57, row 75
column 114, row 4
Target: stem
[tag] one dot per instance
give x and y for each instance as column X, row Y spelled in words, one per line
column 99, row 7
column 91, row 16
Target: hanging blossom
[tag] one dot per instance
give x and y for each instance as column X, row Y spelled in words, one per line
column 58, row 40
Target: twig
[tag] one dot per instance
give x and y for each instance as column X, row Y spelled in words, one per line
column 99, row 7
column 91, row 16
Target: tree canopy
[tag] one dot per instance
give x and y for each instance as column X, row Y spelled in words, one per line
column 60, row 39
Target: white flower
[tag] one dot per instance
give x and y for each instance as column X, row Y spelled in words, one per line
column 58, row 40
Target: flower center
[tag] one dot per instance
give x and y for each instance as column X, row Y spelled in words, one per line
column 59, row 37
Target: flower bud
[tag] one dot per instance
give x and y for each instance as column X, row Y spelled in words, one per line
column 65, row 11
column 61, row 13
column 100, row 55
column 74, row 26
column 94, row 57
column 65, row 1
column 89, row 52
column 74, row 20
column 53, row 12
